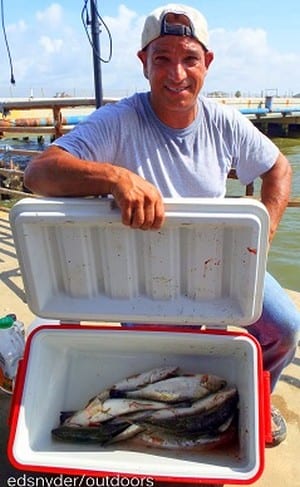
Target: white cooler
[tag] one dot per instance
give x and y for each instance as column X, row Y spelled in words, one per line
column 79, row 263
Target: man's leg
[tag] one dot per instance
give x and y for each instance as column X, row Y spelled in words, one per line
column 277, row 331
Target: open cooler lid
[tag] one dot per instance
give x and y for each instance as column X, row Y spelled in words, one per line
column 205, row 266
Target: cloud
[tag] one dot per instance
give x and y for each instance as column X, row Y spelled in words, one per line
column 245, row 61
column 125, row 29
column 51, row 16
column 20, row 26
column 51, row 45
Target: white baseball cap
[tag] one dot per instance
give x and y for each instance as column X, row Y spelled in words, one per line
column 156, row 24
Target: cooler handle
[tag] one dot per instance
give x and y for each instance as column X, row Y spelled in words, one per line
column 267, row 406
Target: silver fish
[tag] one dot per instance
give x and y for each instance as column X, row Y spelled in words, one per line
column 126, row 434
column 157, row 408
column 140, row 380
column 130, row 383
column 227, row 423
column 175, row 389
column 99, row 411
column 169, row 416
column 204, row 422
column 156, row 437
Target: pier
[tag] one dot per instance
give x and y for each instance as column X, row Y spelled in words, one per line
column 56, row 116
column 273, row 116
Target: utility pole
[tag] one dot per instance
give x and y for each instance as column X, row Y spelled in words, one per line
column 95, row 28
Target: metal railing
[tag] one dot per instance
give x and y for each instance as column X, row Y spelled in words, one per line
column 55, row 125
column 58, row 122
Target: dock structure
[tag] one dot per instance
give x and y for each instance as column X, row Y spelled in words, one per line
column 273, row 116
column 56, row 116
column 278, row 124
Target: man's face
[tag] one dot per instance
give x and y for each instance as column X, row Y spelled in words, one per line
column 176, row 67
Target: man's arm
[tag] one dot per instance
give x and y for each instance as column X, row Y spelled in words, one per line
column 56, row 172
column 275, row 191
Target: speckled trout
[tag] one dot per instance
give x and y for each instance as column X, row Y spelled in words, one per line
column 169, row 417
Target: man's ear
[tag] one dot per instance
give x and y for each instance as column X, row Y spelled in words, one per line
column 142, row 55
column 209, row 56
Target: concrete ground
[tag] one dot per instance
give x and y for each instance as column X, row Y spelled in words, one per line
column 282, row 463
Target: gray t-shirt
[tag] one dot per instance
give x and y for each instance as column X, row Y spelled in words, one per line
column 189, row 162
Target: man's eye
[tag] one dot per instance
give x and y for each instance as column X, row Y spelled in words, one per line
column 191, row 60
column 161, row 59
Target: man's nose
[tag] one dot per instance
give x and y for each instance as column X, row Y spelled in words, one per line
column 177, row 72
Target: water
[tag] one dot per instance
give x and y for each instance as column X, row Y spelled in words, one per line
column 284, row 255
column 26, row 143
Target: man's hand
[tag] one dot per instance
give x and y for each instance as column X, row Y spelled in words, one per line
column 140, row 202
column 56, row 172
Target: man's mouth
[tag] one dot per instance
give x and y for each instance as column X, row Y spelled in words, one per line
column 176, row 90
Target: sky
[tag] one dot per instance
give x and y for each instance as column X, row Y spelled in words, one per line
column 256, row 46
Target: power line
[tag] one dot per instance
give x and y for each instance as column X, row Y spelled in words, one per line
column 94, row 20
column 12, row 78
column 87, row 22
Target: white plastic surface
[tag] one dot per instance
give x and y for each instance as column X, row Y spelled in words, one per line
column 67, row 367
column 206, row 265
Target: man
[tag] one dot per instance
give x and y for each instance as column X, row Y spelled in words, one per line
column 171, row 142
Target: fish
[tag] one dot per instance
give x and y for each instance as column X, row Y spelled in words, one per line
column 89, row 410
column 174, row 389
column 129, row 432
column 127, row 384
column 133, row 382
column 99, row 411
column 82, row 417
column 91, row 434
column 162, row 407
column 168, row 417
column 140, row 380
column 204, row 422
column 224, row 427
column 156, row 437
